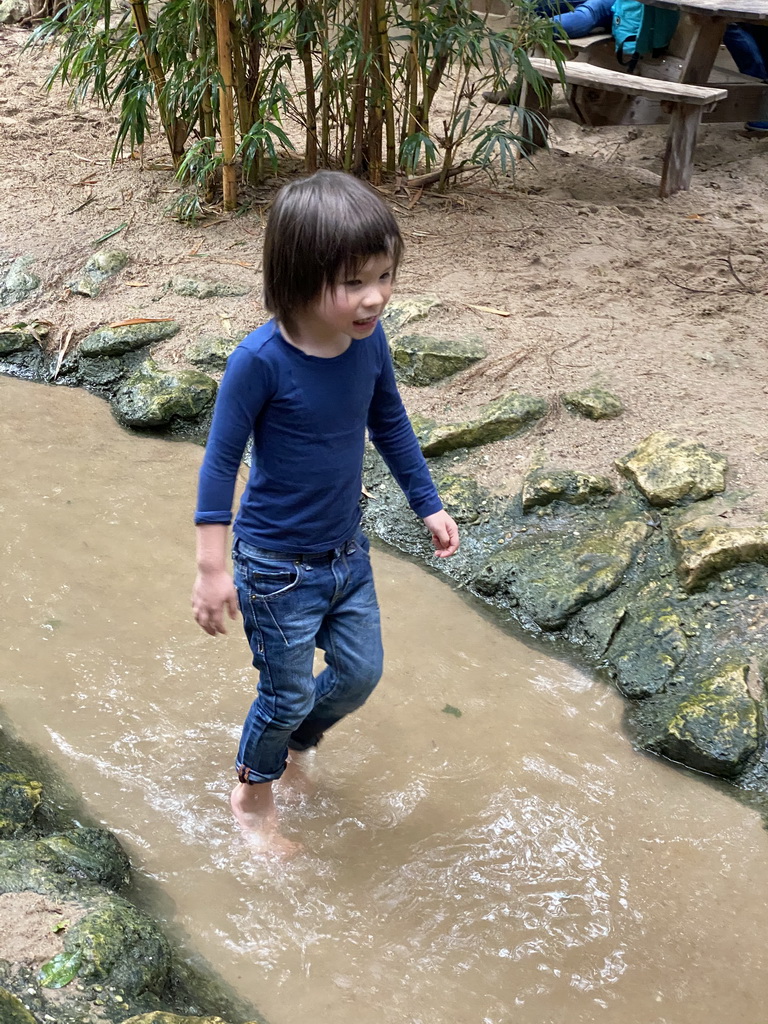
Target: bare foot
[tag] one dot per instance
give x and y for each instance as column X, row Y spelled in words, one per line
column 297, row 774
column 255, row 812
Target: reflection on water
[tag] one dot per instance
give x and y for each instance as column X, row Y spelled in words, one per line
column 518, row 863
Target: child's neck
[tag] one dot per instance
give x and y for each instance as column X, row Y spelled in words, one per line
column 313, row 337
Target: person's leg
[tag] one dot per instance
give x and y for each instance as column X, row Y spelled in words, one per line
column 350, row 636
column 283, row 606
column 744, row 47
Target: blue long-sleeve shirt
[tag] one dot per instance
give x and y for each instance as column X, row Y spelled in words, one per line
column 308, row 417
column 587, row 17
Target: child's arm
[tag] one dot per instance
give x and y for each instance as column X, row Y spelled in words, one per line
column 392, row 434
column 244, row 389
column 213, row 590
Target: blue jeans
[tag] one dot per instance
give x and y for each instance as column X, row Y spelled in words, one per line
column 748, row 45
column 292, row 604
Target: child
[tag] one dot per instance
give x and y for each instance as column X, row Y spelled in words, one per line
column 306, row 385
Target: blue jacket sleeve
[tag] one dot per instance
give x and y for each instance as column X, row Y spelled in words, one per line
column 586, row 18
column 244, row 389
column 392, row 434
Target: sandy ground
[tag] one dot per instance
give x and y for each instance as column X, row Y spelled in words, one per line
column 661, row 301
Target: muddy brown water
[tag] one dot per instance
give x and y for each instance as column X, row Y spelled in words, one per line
column 518, row 863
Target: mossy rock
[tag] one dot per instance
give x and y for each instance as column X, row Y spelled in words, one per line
column 119, row 946
column 504, row 417
column 12, row 1010
column 669, row 470
column 543, row 486
column 153, row 397
column 91, row 853
column 102, row 372
column 463, row 499
column 16, row 339
column 421, row 360
column 116, row 341
column 400, row 312
column 194, row 289
column 706, row 546
column 19, row 799
column 650, row 644
column 211, row 352
column 98, row 269
column 553, row 572
column 595, row 403
column 19, row 282
column 717, row 727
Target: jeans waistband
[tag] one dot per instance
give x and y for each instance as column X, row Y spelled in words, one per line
column 242, row 547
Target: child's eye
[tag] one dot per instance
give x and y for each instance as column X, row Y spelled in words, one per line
column 355, row 283
column 386, row 276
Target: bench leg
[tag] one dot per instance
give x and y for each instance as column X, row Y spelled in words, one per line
column 678, row 159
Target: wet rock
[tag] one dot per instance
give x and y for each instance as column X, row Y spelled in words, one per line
column 91, row 853
column 706, row 546
column 649, row 646
column 19, row 282
column 668, row 470
column 17, row 339
column 19, row 799
column 553, row 571
column 99, row 372
column 154, row 397
column 503, row 417
column 211, row 352
column 12, row 1010
column 194, row 289
column 120, row 946
column 421, row 360
column 26, row 865
column 542, row 486
column 717, row 728
column 595, row 403
column 98, row 269
column 462, row 498
column 116, row 341
column 401, row 312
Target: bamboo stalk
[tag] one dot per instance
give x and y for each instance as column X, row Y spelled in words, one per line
column 364, row 18
column 326, row 88
column 224, row 13
column 386, row 76
column 244, row 109
column 305, row 53
column 175, row 130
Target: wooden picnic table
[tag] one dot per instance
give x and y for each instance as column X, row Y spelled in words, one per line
column 600, row 92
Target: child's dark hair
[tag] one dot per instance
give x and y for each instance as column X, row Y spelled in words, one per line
column 322, row 228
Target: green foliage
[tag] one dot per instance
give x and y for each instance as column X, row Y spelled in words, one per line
column 359, row 78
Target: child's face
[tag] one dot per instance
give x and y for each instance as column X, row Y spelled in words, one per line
column 353, row 306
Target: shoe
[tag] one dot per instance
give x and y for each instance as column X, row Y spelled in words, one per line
column 756, row 127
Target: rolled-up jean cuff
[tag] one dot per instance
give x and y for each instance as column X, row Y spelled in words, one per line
column 247, row 775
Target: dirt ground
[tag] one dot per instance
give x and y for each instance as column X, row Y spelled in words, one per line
column 661, row 301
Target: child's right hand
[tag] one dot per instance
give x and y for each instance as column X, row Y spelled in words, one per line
column 211, row 594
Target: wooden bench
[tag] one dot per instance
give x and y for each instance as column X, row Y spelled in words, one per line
column 685, row 103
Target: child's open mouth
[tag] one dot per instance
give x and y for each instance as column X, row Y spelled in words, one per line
column 367, row 322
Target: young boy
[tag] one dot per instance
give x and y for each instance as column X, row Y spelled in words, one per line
column 305, row 386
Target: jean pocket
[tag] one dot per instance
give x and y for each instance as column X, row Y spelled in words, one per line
column 264, row 581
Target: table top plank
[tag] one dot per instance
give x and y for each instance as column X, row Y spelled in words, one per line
column 733, row 10
column 582, row 73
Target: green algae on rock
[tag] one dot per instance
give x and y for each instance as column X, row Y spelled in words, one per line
column 706, row 546
column 116, row 341
column 211, row 351
column 555, row 569
column 717, row 727
column 12, row 1010
column 462, row 497
column 154, row 397
column 594, row 402
column 503, row 417
column 98, row 269
column 421, row 360
column 90, row 853
column 401, row 312
column 669, row 470
column 19, row 282
column 19, row 799
column 649, row 644
column 542, row 486
column 17, row 338
column 195, row 289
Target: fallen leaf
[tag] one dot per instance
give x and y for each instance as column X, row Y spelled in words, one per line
column 142, row 320
column 136, row 284
column 694, row 216
column 449, row 709
column 488, row 309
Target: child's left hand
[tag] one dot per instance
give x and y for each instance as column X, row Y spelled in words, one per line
column 445, row 533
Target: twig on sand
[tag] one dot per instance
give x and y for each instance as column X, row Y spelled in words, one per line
column 63, row 347
column 729, row 262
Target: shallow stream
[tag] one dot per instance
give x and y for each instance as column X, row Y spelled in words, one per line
column 517, row 863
